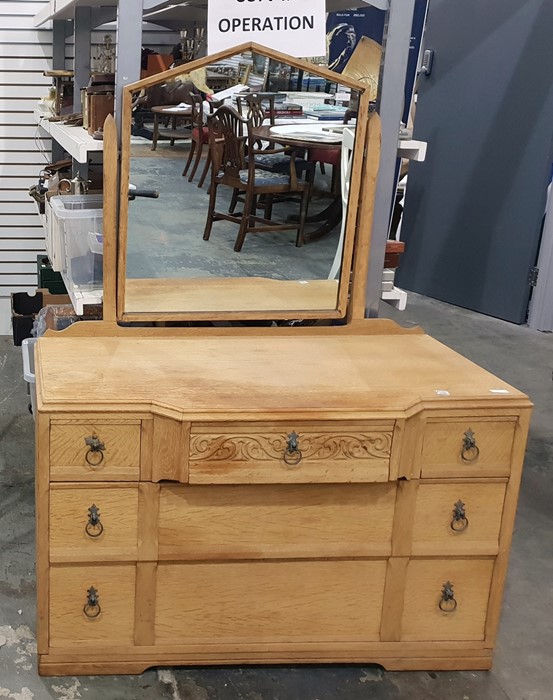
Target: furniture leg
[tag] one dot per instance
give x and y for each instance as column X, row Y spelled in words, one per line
column 234, row 201
column 197, row 161
column 248, row 208
column 210, row 211
column 206, row 169
column 190, row 156
column 156, row 132
column 303, row 216
column 268, row 206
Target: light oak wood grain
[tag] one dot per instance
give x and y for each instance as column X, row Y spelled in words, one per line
column 269, row 601
column 432, row 533
column 118, row 512
column 422, row 618
column 443, row 445
column 251, row 522
column 68, row 451
column 68, row 594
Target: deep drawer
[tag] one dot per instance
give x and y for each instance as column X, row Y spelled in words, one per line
column 92, row 603
column 93, row 522
column 280, row 521
column 309, row 453
column 88, row 451
column 458, row 518
column 467, row 447
column 264, row 602
column 446, row 599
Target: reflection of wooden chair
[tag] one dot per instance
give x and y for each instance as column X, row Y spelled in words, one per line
column 199, row 135
column 213, row 105
column 228, row 146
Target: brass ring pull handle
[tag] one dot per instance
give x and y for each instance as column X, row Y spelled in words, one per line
column 470, row 450
column 92, row 607
column 292, row 454
column 94, row 527
column 447, row 603
column 460, row 521
column 95, row 452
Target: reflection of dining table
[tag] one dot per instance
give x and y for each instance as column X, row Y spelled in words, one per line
column 304, row 136
column 174, row 112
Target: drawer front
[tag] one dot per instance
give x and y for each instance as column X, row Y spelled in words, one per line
column 460, row 518
column 290, row 454
column 95, row 451
column 270, row 601
column 281, row 521
column 465, row 447
column 75, row 617
column 93, row 523
column 461, row 587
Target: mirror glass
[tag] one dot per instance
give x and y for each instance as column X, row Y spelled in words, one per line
column 251, row 162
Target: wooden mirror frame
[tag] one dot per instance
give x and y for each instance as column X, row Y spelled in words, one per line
column 350, row 302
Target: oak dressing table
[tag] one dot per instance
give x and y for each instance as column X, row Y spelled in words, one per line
column 285, row 494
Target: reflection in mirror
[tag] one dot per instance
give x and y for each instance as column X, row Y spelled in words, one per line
column 252, row 162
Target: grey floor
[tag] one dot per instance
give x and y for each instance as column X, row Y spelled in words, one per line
column 165, row 235
column 523, row 668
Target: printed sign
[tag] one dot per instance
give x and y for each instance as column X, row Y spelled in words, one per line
column 296, row 27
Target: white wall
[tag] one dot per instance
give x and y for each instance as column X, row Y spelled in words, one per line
column 25, row 52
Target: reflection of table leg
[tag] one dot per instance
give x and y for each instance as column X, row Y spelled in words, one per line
column 331, row 216
column 156, row 132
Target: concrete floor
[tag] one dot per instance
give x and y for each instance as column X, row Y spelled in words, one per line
column 522, row 670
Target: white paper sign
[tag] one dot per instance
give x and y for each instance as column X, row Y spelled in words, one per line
column 296, row 27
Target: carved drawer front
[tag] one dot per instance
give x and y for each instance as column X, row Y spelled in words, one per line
column 446, row 599
column 269, row 602
column 93, row 523
column 282, row 521
column 290, row 453
column 465, row 447
column 102, row 451
column 92, row 603
column 461, row 518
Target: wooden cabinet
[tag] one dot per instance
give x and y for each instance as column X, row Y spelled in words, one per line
column 354, row 515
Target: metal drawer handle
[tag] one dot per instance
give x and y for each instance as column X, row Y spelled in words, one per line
column 95, row 453
column 94, row 527
column 447, row 603
column 470, row 450
column 460, row 521
column 92, row 607
column 292, row 454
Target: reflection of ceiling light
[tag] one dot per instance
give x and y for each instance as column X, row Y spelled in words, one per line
column 164, row 9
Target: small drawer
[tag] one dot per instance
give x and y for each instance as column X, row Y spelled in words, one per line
column 91, row 603
column 446, row 600
column 460, row 518
column 93, row 523
column 310, row 453
column 95, row 451
column 281, row 521
column 466, row 447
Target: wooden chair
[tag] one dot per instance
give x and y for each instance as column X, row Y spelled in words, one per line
column 228, row 144
column 199, row 135
column 213, row 105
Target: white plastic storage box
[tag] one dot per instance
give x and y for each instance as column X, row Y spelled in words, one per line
column 80, row 219
column 28, row 351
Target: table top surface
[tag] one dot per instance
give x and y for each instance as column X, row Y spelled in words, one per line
column 171, row 109
column 321, row 375
column 267, row 133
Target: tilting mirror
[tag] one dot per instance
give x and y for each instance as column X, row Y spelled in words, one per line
column 239, row 174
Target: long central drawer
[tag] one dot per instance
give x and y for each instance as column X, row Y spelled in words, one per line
column 290, row 453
